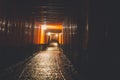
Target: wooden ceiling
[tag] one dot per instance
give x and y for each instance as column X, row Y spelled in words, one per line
column 49, row 12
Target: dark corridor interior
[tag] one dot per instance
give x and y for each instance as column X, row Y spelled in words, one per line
column 90, row 33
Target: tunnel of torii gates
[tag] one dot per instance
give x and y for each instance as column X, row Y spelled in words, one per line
column 43, row 33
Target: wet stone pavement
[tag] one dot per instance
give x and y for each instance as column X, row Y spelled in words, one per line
column 50, row 64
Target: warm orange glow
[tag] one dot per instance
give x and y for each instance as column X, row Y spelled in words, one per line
column 58, row 27
column 43, row 27
column 42, row 36
column 37, row 33
column 60, row 38
column 49, row 33
column 40, row 33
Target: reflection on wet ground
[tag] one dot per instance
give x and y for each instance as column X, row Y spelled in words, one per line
column 50, row 64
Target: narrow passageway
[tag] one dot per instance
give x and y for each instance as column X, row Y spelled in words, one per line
column 50, row 64
column 30, row 31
